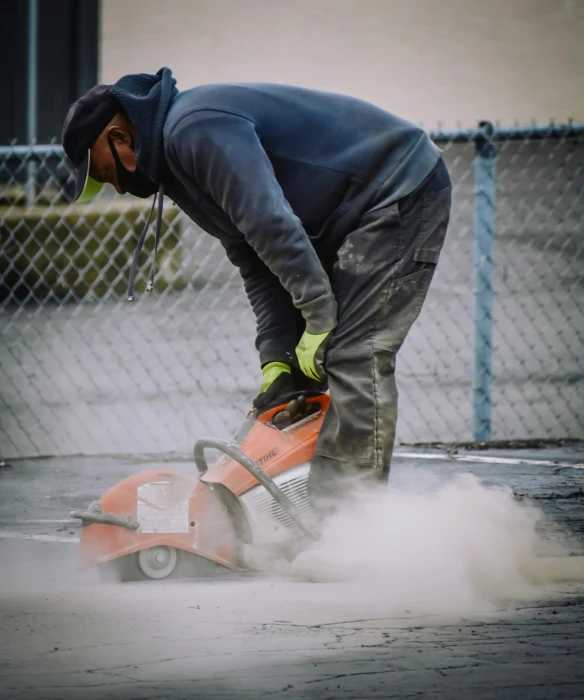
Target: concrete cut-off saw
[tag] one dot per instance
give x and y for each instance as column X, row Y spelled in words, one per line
column 251, row 503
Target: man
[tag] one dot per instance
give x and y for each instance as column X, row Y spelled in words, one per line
column 334, row 211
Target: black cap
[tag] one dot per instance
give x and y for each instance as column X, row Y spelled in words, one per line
column 85, row 121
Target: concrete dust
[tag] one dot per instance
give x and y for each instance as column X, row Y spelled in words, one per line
column 454, row 548
column 33, row 565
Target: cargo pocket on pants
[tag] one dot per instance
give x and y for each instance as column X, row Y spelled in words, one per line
column 359, row 427
column 400, row 308
column 435, row 217
column 347, row 430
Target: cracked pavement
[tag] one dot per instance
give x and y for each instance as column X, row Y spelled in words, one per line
column 64, row 637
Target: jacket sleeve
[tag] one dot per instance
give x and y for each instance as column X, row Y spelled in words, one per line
column 223, row 154
column 277, row 319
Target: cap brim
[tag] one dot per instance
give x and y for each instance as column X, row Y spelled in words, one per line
column 86, row 187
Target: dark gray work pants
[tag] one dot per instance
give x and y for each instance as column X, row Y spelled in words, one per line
column 380, row 281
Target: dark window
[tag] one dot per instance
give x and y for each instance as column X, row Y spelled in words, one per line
column 67, row 63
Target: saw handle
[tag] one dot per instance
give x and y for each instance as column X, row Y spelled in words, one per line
column 233, row 451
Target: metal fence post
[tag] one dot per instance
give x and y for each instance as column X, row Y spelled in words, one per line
column 484, row 233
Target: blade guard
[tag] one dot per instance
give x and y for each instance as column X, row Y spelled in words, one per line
column 158, row 508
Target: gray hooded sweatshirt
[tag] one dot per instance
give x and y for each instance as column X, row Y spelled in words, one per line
column 280, row 175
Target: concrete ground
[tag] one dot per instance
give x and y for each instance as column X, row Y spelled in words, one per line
column 65, row 636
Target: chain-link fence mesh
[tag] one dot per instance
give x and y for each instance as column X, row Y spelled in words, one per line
column 84, row 371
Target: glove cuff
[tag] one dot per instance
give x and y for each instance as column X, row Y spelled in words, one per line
column 271, row 366
column 272, row 371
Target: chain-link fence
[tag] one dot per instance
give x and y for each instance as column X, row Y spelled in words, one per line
column 498, row 350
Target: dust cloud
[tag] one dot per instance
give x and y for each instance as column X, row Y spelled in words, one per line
column 454, row 548
column 449, row 548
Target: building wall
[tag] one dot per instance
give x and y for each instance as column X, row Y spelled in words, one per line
column 428, row 60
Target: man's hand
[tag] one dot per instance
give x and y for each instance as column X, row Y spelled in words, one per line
column 277, row 382
column 310, row 353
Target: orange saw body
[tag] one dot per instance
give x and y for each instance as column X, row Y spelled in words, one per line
column 254, row 498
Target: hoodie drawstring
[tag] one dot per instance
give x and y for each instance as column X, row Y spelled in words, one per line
column 134, row 266
column 150, row 285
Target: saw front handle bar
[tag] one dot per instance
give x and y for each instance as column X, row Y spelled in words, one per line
column 233, row 451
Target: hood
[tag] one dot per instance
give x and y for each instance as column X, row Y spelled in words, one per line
column 146, row 100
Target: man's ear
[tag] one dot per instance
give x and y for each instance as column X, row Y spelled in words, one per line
column 119, row 135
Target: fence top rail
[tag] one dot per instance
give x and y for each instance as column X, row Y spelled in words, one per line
column 484, row 130
column 507, row 133
column 41, row 150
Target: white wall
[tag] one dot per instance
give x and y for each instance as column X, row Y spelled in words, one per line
column 427, row 60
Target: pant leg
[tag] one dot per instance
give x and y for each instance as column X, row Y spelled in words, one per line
column 380, row 281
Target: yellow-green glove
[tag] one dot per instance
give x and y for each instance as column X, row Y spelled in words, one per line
column 271, row 372
column 310, row 353
column 278, row 383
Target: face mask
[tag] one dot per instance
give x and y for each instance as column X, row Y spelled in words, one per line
column 137, row 183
